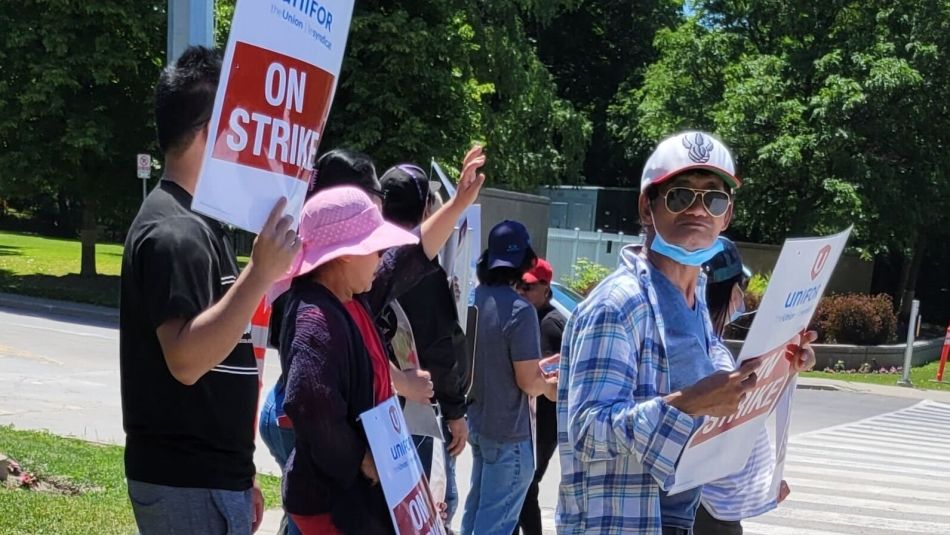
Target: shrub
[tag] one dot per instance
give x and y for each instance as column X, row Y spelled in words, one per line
column 757, row 285
column 587, row 274
column 840, row 319
column 856, row 319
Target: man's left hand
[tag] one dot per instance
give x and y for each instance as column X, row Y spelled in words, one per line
column 802, row 357
column 459, row 430
column 257, row 507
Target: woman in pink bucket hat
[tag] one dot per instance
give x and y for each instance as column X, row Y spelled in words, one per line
column 335, row 371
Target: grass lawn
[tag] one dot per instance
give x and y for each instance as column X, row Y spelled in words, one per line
column 103, row 509
column 49, row 267
column 921, row 377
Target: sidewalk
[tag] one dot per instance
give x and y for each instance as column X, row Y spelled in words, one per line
column 39, row 305
column 271, row 522
column 813, row 383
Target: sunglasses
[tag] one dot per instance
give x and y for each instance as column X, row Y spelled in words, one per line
column 715, row 201
column 524, row 286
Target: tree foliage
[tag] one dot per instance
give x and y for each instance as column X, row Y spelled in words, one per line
column 834, row 109
column 465, row 72
column 75, row 88
column 592, row 47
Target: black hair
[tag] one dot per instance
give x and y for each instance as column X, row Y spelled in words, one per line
column 503, row 276
column 184, row 97
column 407, row 211
column 403, row 215
column 718, row 298
column 344, row 167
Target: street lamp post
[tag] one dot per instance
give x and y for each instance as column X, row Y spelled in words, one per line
column 190, row 22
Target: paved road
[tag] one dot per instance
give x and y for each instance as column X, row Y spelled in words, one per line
column 61, row 374
column 885, row 475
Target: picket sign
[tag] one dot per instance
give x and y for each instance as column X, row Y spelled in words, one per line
column 277, row 82
column 410, row 502
column 722, row 446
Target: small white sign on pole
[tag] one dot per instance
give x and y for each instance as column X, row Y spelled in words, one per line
column 144, row 166
column 278, row 78
column 722, row 446
column 411, row 506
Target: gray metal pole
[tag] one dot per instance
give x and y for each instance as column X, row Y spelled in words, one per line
column 909, row 351
column 144, row 189
column 577, row 242
column 190, row 22
column 600, row 241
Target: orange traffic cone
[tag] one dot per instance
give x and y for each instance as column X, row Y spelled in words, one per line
column 943, row 356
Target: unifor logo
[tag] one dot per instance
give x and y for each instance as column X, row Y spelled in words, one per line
column 394, row 418
column 820, row 261
column 700, row 148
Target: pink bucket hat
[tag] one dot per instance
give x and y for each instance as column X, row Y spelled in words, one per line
column 337, row 222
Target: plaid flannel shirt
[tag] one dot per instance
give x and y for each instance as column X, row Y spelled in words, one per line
column 618, row 441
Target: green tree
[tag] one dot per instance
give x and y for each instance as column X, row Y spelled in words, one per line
column 76, row 83
column 591, row 48
column 834, row 110
column 534, row 136
column 426, row 78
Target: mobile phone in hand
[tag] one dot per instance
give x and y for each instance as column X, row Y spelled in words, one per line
column 550, row 365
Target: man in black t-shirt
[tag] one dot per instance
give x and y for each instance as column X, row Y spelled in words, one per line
column 188, row 373
column 535, row 287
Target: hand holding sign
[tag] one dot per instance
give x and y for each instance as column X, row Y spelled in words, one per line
column 414, row 384
column 802, row 356
column 276, row 247
column 718, row 394
column 368, row 468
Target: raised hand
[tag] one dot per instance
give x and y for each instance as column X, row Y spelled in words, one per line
column 470, row 181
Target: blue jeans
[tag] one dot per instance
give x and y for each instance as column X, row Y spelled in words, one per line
column 163, row 510
column 279, row 441
column 501, row 473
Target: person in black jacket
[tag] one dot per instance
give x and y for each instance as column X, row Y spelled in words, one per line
column 430, row 307
column 535, row 286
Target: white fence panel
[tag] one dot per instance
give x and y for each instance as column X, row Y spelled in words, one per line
column 565, row 247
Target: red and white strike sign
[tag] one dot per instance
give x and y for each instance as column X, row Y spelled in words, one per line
column 277, row 83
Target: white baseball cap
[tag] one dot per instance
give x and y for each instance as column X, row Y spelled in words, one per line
column 686, row 151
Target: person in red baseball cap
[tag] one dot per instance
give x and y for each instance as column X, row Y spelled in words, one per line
column 535, row 287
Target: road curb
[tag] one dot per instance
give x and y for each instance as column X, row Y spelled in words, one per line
column 60, row 308
column 807, row 386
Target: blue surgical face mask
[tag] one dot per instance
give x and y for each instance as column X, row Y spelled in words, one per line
column 737, row 313
column 682, row 256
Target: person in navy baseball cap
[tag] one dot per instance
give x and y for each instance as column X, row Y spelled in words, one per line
column 506, row 372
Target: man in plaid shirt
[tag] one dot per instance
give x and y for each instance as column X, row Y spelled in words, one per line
column 636, row 377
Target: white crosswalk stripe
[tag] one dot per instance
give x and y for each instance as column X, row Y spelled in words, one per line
column 886, row 475
column 889, row 474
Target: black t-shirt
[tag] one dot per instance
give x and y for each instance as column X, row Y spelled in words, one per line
column 552, row 330
column 176, row 264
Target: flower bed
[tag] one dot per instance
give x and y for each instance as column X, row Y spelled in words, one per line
column 872, row 357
